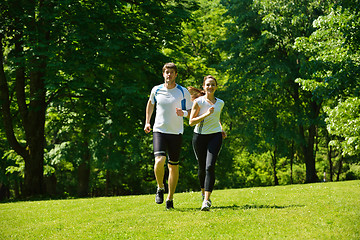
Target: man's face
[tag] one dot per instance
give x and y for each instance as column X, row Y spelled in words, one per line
column 169, row 75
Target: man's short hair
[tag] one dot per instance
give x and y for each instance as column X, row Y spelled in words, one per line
column 171, row 66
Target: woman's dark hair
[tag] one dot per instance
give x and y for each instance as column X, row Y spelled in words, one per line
column 211, row 77
column 195, row 93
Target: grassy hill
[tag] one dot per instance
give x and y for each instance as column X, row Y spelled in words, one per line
column 310, row 211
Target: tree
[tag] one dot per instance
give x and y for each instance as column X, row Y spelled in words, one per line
column 58, row 51
column 197, row 53
column 31, row 100
column 263, row 60
column 333, row 55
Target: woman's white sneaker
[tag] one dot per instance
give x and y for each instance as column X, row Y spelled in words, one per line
column 206, row 205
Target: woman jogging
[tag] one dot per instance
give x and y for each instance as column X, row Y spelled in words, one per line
column 208, row 134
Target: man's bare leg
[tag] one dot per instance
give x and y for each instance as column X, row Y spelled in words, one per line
column 159, row 175
column 159, row 170
column 172, row 180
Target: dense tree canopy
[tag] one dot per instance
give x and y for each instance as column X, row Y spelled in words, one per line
column 75, row 77
column 90, row 62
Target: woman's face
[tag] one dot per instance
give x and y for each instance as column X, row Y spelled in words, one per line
column 210, row 86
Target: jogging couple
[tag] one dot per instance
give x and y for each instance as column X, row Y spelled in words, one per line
column 174, row 103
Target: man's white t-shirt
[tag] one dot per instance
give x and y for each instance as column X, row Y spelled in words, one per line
column 167, row 100
column 211, row 124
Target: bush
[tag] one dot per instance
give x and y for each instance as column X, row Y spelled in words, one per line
column 353, row 173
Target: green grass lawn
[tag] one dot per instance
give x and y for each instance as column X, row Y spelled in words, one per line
column 309, row 211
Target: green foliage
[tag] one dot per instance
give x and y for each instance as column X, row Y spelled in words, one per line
column 334, row 73
column 16, row 164
column 344, row 121
column 288, row 73
column 197, row 54
column 268, row 110
column 353, row 173
column 100, row 58
column 333, row 64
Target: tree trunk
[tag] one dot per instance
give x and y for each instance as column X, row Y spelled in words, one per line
column 308, row 151
column 83, row 177
column 5, row 108
column 84, row 172
column 107, row 183
column 16, row 189
column 274, row 161
column 33, row 121
column 292, row 162
column 34, row 169
column 50, row 184
column 34, row 125
column 329, row 157
column 31, row 104
column 340, row 167
column 309, row 144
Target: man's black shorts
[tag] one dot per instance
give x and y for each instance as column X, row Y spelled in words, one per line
column 167, row 143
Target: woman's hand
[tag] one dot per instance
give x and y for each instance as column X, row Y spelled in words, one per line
column 210, row 111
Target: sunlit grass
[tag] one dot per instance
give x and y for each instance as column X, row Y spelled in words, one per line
column 310, row 211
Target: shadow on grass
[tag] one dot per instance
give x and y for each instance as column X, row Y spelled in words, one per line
column 243, row 207
column 254, row 206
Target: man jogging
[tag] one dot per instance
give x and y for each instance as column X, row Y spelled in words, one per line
column 173, row 102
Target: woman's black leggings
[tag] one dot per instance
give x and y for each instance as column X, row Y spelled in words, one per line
column 206, row 148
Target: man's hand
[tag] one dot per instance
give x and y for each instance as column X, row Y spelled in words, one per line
column 179, row 112
column 147, row 128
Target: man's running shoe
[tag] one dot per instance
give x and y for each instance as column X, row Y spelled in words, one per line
column 206, row 206
column 159, row 198
column 169, row 204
